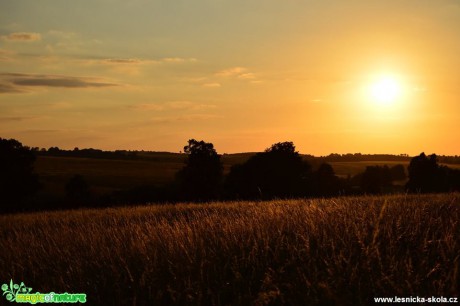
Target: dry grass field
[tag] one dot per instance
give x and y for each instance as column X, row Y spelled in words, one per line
column 284, row 252
column 107, row 175
column 104, row 174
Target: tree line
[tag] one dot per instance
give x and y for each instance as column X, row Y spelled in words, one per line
column 278, row 172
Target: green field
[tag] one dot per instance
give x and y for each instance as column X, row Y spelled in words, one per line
column 294, row 252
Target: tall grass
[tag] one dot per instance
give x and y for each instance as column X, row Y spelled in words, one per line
column 295, row 252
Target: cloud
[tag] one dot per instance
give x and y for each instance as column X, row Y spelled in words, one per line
column 178, row 60
column 231, row 72
column 5, row 55
column 189, row 105
column 125, row 66
column 58, row 82
column 239, row 73
column 174, row 105
column 186, row 118
column 147, row 106
column 23, row 36
column 122, row 61
column 134, row 66
column 211, row 85
column 17, row 118
column 247, row 76
column 8, row 88
column 115, row 61
column 13, row 82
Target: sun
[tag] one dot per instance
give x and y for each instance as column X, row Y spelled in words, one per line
column 385, row 90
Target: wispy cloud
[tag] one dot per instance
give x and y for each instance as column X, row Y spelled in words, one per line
column 69, row 82
column 16, row 118
column 22, row 36
column 239, row 73
column 189, row 105
column 134, row 66
column 186, row 118
column 212, row 85
column 147, row 107
column 247, row 76
column 122, row 61
column 14, row 82
column 173, row 105
column 8, row 88
column 178, row 60
column 137, row 61
column 5, row 55
column 230, row 72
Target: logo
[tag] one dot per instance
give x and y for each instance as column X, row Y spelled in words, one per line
column 22, row 294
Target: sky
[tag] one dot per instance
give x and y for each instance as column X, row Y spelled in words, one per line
column 151, row 74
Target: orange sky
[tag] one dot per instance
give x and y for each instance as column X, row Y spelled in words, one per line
column 149, row 75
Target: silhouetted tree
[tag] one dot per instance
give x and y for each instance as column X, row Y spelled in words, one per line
column 454, row 180
column 325, row 182
column 425, row 175
column 17, row 178
column 397, row 173
column 201, row 178
column 277, row 172
column 375, row 179
column 77, row 189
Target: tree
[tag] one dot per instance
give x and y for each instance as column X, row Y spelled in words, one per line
column 286, row 148
column 375, row 179
column 425, row 175
column 397, row 173
column 277, row 172
column 325, row 182
column 454, row 180
column 17, row 177
column 201, row 177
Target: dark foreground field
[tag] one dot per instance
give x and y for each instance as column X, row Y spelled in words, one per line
column 293, row 252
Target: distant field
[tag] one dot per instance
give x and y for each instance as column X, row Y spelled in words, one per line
column 299, row 252
column 106, row 175
column 343, row 169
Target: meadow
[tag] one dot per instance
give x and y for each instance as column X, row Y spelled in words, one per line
column 157, row 169
column 342, row 251
column 107, row 175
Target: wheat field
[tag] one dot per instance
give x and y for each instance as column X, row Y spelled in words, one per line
column 342, row 251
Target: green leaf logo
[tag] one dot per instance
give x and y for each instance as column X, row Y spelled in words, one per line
column 13, row 289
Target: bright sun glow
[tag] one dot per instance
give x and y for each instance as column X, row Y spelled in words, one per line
column 385, row 90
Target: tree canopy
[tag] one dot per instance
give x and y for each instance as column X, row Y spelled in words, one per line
column 277, row 172
column 426, row 175
column 17, row 178
column 201, row 177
